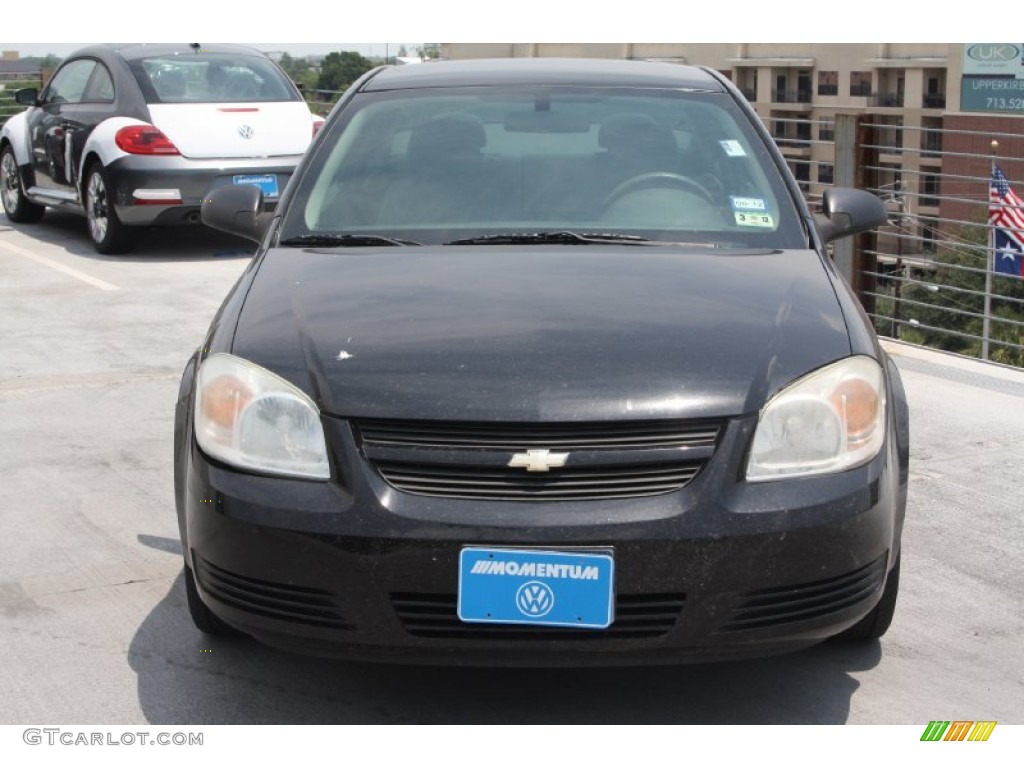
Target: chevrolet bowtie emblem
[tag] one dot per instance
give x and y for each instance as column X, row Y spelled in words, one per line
column 538, row 461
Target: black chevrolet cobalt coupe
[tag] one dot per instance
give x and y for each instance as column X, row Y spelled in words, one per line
column 541, row 362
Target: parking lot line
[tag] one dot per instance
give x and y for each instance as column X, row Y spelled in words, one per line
column 103, row 285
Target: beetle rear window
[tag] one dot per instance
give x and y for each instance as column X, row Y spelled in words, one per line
column 211, row 78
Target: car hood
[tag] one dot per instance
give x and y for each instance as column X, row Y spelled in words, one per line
column 540, row 333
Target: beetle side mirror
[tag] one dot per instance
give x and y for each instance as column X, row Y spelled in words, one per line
column 26, row 96
column 237, row 211
column 847, row 212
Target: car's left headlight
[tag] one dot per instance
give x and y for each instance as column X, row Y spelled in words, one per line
column 250, row 418
column 830, row 420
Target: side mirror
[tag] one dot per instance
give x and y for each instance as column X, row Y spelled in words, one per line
column 847, row 212
column 237, row 211
column 26, row 96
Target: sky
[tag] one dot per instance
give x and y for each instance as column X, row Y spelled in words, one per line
column 522, row 21
column 295, row 49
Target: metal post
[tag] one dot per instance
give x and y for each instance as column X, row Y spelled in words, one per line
column 845, row 176
column 990, row 256
column 866, row 243
column 986, row 322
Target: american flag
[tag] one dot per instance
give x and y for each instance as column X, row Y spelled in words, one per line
column 1006, row 215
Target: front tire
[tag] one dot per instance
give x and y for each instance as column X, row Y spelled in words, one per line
column 109, row 235
column 875, row 624
column 18, row 208
column 203, row 617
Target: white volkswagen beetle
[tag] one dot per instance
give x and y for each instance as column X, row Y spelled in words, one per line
column 140, row 135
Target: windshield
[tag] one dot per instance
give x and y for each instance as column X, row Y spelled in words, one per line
column 448, row 164
column 210, row 78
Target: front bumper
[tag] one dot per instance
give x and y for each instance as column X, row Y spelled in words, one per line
column 719, row 569
column 194, row 179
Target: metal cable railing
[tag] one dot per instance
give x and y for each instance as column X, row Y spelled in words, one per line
column 11, row 82
column 929, row 276
column 933, row 278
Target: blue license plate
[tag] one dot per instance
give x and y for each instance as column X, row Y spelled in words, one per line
column 539, row 587
column 267, row 182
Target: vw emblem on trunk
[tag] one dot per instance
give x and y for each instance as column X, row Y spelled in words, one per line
column 541, row 460
column 535, row 599
column 246, row 131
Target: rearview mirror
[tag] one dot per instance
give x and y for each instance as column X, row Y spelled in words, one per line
column 847, row 212
column 237, row 211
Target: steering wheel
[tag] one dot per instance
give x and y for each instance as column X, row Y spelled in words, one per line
column 658, row 179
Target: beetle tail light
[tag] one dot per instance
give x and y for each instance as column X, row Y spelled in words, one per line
column 144, row 140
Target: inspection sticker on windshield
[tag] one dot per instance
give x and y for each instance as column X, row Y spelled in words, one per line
column 748, row 219
column 732, row 148
column 540, row 587
column 748, row 204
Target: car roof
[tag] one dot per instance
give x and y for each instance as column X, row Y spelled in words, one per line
column 586, row 72
column 134, row 51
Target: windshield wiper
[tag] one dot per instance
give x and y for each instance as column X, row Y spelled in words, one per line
column 566, row 236
column 335, row 241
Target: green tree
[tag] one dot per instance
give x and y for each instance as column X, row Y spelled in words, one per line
column 950, row 302
column 295, row 68
column 340, row 69
column 429, row 51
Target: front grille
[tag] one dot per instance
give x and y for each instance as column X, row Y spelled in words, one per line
column 555, row 437
column 481, row 482
column 609, row 460
column 636, row 617
column 782, row 605
column 284, row 602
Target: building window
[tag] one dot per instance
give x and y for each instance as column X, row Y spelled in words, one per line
column 802, row 171
column 746, row 79
column 930, row 189
column 803, row 86
column 825, row 173
column 826, row 130
column 860, row 83
column 828, row 83
column 934, row 96
column 932, row 143
column 929, row 235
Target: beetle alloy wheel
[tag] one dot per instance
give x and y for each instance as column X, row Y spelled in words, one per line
column 10, row 187
column 96, row 207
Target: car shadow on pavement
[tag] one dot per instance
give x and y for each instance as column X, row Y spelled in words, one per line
column 185, row 677
column 155, row 244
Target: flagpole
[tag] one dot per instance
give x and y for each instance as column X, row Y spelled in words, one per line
column 990, row 256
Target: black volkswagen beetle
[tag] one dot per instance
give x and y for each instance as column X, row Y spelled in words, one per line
column 541, row 362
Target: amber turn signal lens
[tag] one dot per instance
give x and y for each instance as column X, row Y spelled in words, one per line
column 857, row 402
column 223, row 399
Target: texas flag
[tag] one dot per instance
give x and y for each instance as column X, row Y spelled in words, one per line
column 1006, row 214
column 1009, row 255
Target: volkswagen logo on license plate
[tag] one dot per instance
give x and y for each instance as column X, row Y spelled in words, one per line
column 535, row 599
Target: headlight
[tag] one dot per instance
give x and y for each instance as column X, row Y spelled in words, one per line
column 828, row 421
column 248, row 417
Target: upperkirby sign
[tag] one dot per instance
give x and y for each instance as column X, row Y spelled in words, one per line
column 994, row 59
